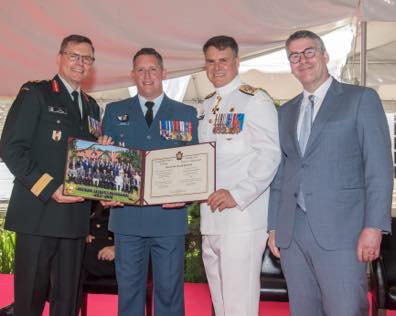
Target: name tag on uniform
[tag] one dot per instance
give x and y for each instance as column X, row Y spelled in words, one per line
column 57, row 110
column 228, row 123
column 176, row 130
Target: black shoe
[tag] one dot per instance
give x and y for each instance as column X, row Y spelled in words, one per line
column 7, row 310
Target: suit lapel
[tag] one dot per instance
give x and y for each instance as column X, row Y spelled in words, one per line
column 331, row 102
column 164, row 111
column 291, row 121
column 136, row 112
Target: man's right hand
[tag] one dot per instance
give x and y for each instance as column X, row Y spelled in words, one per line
column 107, row 204
column 105, row 140
column 271, row 244
column 60, row 198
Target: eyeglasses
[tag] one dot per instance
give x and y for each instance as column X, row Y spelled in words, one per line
column 87, row 60
column 295, row 57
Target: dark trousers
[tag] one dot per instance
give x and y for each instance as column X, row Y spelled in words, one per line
column 47, row 268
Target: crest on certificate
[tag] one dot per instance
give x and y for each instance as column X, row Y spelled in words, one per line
column 179, row 155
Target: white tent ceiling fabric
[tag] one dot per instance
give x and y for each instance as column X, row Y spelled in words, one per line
column 31, row 31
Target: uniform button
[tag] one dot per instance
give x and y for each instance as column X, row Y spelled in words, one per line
column 148, row 137
column 210, row 121
column 295, row 195
column 58, row 121
column 97, row 225
column 110, row 238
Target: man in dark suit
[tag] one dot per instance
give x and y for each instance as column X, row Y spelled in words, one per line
column 152, row 230
column 50, row 227
column 99, row 253
column 331, row 199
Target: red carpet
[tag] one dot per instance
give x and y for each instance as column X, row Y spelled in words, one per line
column 197, row 301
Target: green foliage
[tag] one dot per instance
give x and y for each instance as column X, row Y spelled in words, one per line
column 7, row 249
column 194, row 268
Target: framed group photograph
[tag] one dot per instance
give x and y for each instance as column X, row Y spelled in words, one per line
column 138, row 177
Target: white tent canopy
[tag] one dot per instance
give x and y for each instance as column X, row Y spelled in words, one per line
column 30, row 31
column 381, row 58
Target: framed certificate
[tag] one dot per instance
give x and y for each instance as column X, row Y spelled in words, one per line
column 138, row 177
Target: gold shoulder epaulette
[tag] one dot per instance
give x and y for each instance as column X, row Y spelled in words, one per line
column 245, row 88
column 210, row 95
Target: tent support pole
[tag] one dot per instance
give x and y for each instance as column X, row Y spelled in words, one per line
column 363, row 52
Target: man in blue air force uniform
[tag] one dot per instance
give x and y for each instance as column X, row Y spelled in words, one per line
column 147, row 121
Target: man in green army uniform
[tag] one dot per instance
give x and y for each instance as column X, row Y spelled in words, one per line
column 50, row 227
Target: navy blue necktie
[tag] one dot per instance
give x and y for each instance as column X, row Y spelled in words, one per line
column 76, row 95
column 149, row 113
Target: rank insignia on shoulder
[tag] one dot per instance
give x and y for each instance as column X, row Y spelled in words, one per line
column 56, row 135
column 176, row 130
column 36, row 81
column 123, row 118
column 245, row 88
column 210, row 95
column 55, row 86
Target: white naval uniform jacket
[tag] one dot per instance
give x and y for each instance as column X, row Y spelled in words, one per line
column 246, row 162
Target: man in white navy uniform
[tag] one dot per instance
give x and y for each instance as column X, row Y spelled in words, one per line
column 243, row 122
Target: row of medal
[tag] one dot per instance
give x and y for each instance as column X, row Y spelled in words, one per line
column 94, row 126
column 176, row 130
column 228, row 123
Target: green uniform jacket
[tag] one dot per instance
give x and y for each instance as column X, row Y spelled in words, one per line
column 33, row 146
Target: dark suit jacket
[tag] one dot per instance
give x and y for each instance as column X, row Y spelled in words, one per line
column 346, row 172
column 98, row 228
column 125, row 123
column 33, row 146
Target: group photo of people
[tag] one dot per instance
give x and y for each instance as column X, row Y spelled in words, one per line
column 112, row 169
column 309, row 180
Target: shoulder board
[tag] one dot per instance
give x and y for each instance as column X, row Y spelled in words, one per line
column 27, row 85
column 245, row 88
column 37, row 81
column 210, row 95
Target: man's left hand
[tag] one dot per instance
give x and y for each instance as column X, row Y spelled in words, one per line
column 368, row 246
column 220, row 200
